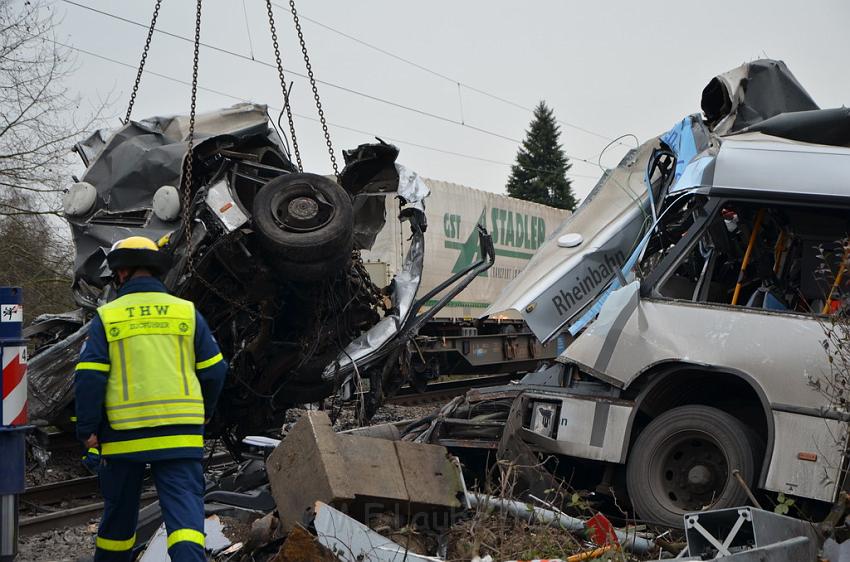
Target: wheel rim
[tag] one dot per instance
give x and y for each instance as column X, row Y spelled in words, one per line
column 689, row 471
column 301, row 208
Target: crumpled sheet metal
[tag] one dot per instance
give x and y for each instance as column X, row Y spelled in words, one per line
column 352, row 541
column 370, row 216
column 687, row 138
column 405, row 285
column 91, row 146
column 50, row 376
column 748, row 98
column 412, row 187
column 750, row 93
column 143, row 155
column 92, row 242
column 611, row 220
column 132, row 163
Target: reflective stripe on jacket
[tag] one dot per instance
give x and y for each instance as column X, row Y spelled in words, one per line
column 151, row 378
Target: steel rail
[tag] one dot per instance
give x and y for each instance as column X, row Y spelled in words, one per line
column 443, row 391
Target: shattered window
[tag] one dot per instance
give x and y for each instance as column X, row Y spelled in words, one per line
column 676, row 219
column 774, row 257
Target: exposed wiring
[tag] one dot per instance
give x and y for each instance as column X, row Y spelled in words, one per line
column 635, row 197
column 610, row 144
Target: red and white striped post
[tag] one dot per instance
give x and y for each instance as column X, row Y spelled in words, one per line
column 13, row 417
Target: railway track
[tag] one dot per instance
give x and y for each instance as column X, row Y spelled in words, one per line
column 49, row 502
column 65, row 490
column 43, row 500
column 445, row 391
column 78, row 515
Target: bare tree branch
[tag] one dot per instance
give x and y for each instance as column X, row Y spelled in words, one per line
column 39, row 123
column 38, row 126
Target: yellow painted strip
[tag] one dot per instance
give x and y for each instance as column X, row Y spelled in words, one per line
column 154, row 421
column 209, row 362
column 152, row 444
column 92, row 366
column 130, row 405
column 186, row 535
column 115, row 546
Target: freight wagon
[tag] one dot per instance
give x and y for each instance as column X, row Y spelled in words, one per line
column 455, row 341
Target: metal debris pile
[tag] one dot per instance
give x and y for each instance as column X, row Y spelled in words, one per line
column 703, row 231
column 365, row 495
column 270, row 256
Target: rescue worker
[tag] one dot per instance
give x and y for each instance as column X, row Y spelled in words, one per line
column 148, row 379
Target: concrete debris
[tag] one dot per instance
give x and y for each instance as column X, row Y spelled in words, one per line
column 360, row 475
column 389, row 431
column 410, row 492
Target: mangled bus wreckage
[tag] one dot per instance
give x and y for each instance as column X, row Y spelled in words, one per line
column 271, row 260
column 697, row 280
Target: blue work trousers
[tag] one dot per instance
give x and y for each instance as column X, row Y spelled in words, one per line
column 180, row 486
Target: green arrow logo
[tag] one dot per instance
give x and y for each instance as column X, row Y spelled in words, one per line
column 470, row 252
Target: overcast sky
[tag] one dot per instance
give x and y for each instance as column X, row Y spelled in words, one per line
column 610, row 67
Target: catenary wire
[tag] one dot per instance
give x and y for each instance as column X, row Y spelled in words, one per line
column 301, row 116
column 248, row 30
column 300, row 75
column 326, row 83
column 443, row 76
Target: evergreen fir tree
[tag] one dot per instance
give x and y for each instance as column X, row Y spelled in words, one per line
column 541, row 166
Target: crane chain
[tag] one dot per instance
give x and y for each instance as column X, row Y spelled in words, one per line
column 309, row 67
column 190, row 144
column 188, row 176
column 283, row 88
column 142, row 62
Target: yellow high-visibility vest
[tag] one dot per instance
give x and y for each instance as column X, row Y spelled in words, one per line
column 152, row 380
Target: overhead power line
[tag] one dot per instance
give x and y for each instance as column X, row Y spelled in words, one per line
column 290, row 71
column 326, row 83
column 300, row 116
column 440, row 74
